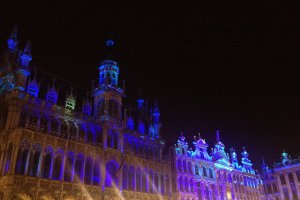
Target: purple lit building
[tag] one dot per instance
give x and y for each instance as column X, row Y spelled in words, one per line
column 282, row 181
column 198, row 174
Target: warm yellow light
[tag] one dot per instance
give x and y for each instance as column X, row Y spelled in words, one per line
column 229, row 196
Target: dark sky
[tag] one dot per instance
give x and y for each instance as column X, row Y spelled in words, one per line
column 228, row 65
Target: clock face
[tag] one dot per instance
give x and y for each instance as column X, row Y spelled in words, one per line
column 7, row 83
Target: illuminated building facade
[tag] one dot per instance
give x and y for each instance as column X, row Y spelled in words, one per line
column 282, row 182
column 215, row 176
column 52, row 148
column 55, row 147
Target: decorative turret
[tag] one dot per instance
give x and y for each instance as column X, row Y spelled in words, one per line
column 25, row 56
column 109, row 69
column 140, row 101
column 70, row 100
column 285, row 159
column 154, row 129
column 264, row 166
column 87, row 106
column 181, row 146
column 234, row 159
column 156, row 113
column 12, row 41
column 247, row 164
column 52, row 94
column 108, row 96
column 33, row 87
column 219, row 155
column 200, row 148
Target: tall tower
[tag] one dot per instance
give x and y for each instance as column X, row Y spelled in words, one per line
column 108, row 95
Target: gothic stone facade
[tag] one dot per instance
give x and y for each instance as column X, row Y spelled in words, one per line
column 53, row 147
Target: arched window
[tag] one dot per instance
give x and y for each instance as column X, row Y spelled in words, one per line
column 82, row 132
column 47, row 164
column 79, row 167
column 44, row 124
column 197, row 170
column 131, row 181
column 162, row 184
column 138, row 180
column 211, row 175
column 34, row 163
column 180, row 184
column 32, row 121
column 192, row 185
column 22, row 119
column 57, row 167
column 111, row 174
column 179, row 165
column 64, row 128
column 184, row 166
column 96, row 173
column 90, row 135
column 22, row 161
column 125, row 178
column 204, row 172
column 167, row 185
column 151, row 181
column 88, row 171
column 112, row 139
column 144, row 182
column 54, row 126
column 99, row 135
column 69, row 166
column 101, row 107
column 113, row 108
column 186, row 184
column 190, row 167
column 156, row 182
column 73, row 131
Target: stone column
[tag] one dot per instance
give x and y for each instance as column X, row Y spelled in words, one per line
column 120, row 180
column 13, row 160
column 104, row 136
column 296, row 183
column 288, row 185
column 9, row 118
column 121, row 141
column 103, row 174
column 72, row 169
column 17, row 118
column 27, row 162
column 62, row 170
column 39, row 170
column 51, row 165
column 82, row 171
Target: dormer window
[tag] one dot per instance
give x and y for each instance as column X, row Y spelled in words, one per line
column 70, row 104
column 33, row 91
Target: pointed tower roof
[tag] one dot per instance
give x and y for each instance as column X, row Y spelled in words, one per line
column 13, row 40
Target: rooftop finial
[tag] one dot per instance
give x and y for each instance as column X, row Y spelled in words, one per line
column 218, row 135
column 109, row 43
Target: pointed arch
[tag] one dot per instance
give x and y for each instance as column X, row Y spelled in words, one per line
column 111, row 178
column 96, row 173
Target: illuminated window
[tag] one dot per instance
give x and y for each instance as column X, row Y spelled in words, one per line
column 229, row 196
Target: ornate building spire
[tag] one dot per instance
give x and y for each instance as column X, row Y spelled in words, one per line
column 12, row 41
column 140, row 100
column 26, row 55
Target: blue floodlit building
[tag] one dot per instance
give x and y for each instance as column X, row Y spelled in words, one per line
column 59, row 144
column 282, row 181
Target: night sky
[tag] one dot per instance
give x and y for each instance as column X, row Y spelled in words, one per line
column 228, row 65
